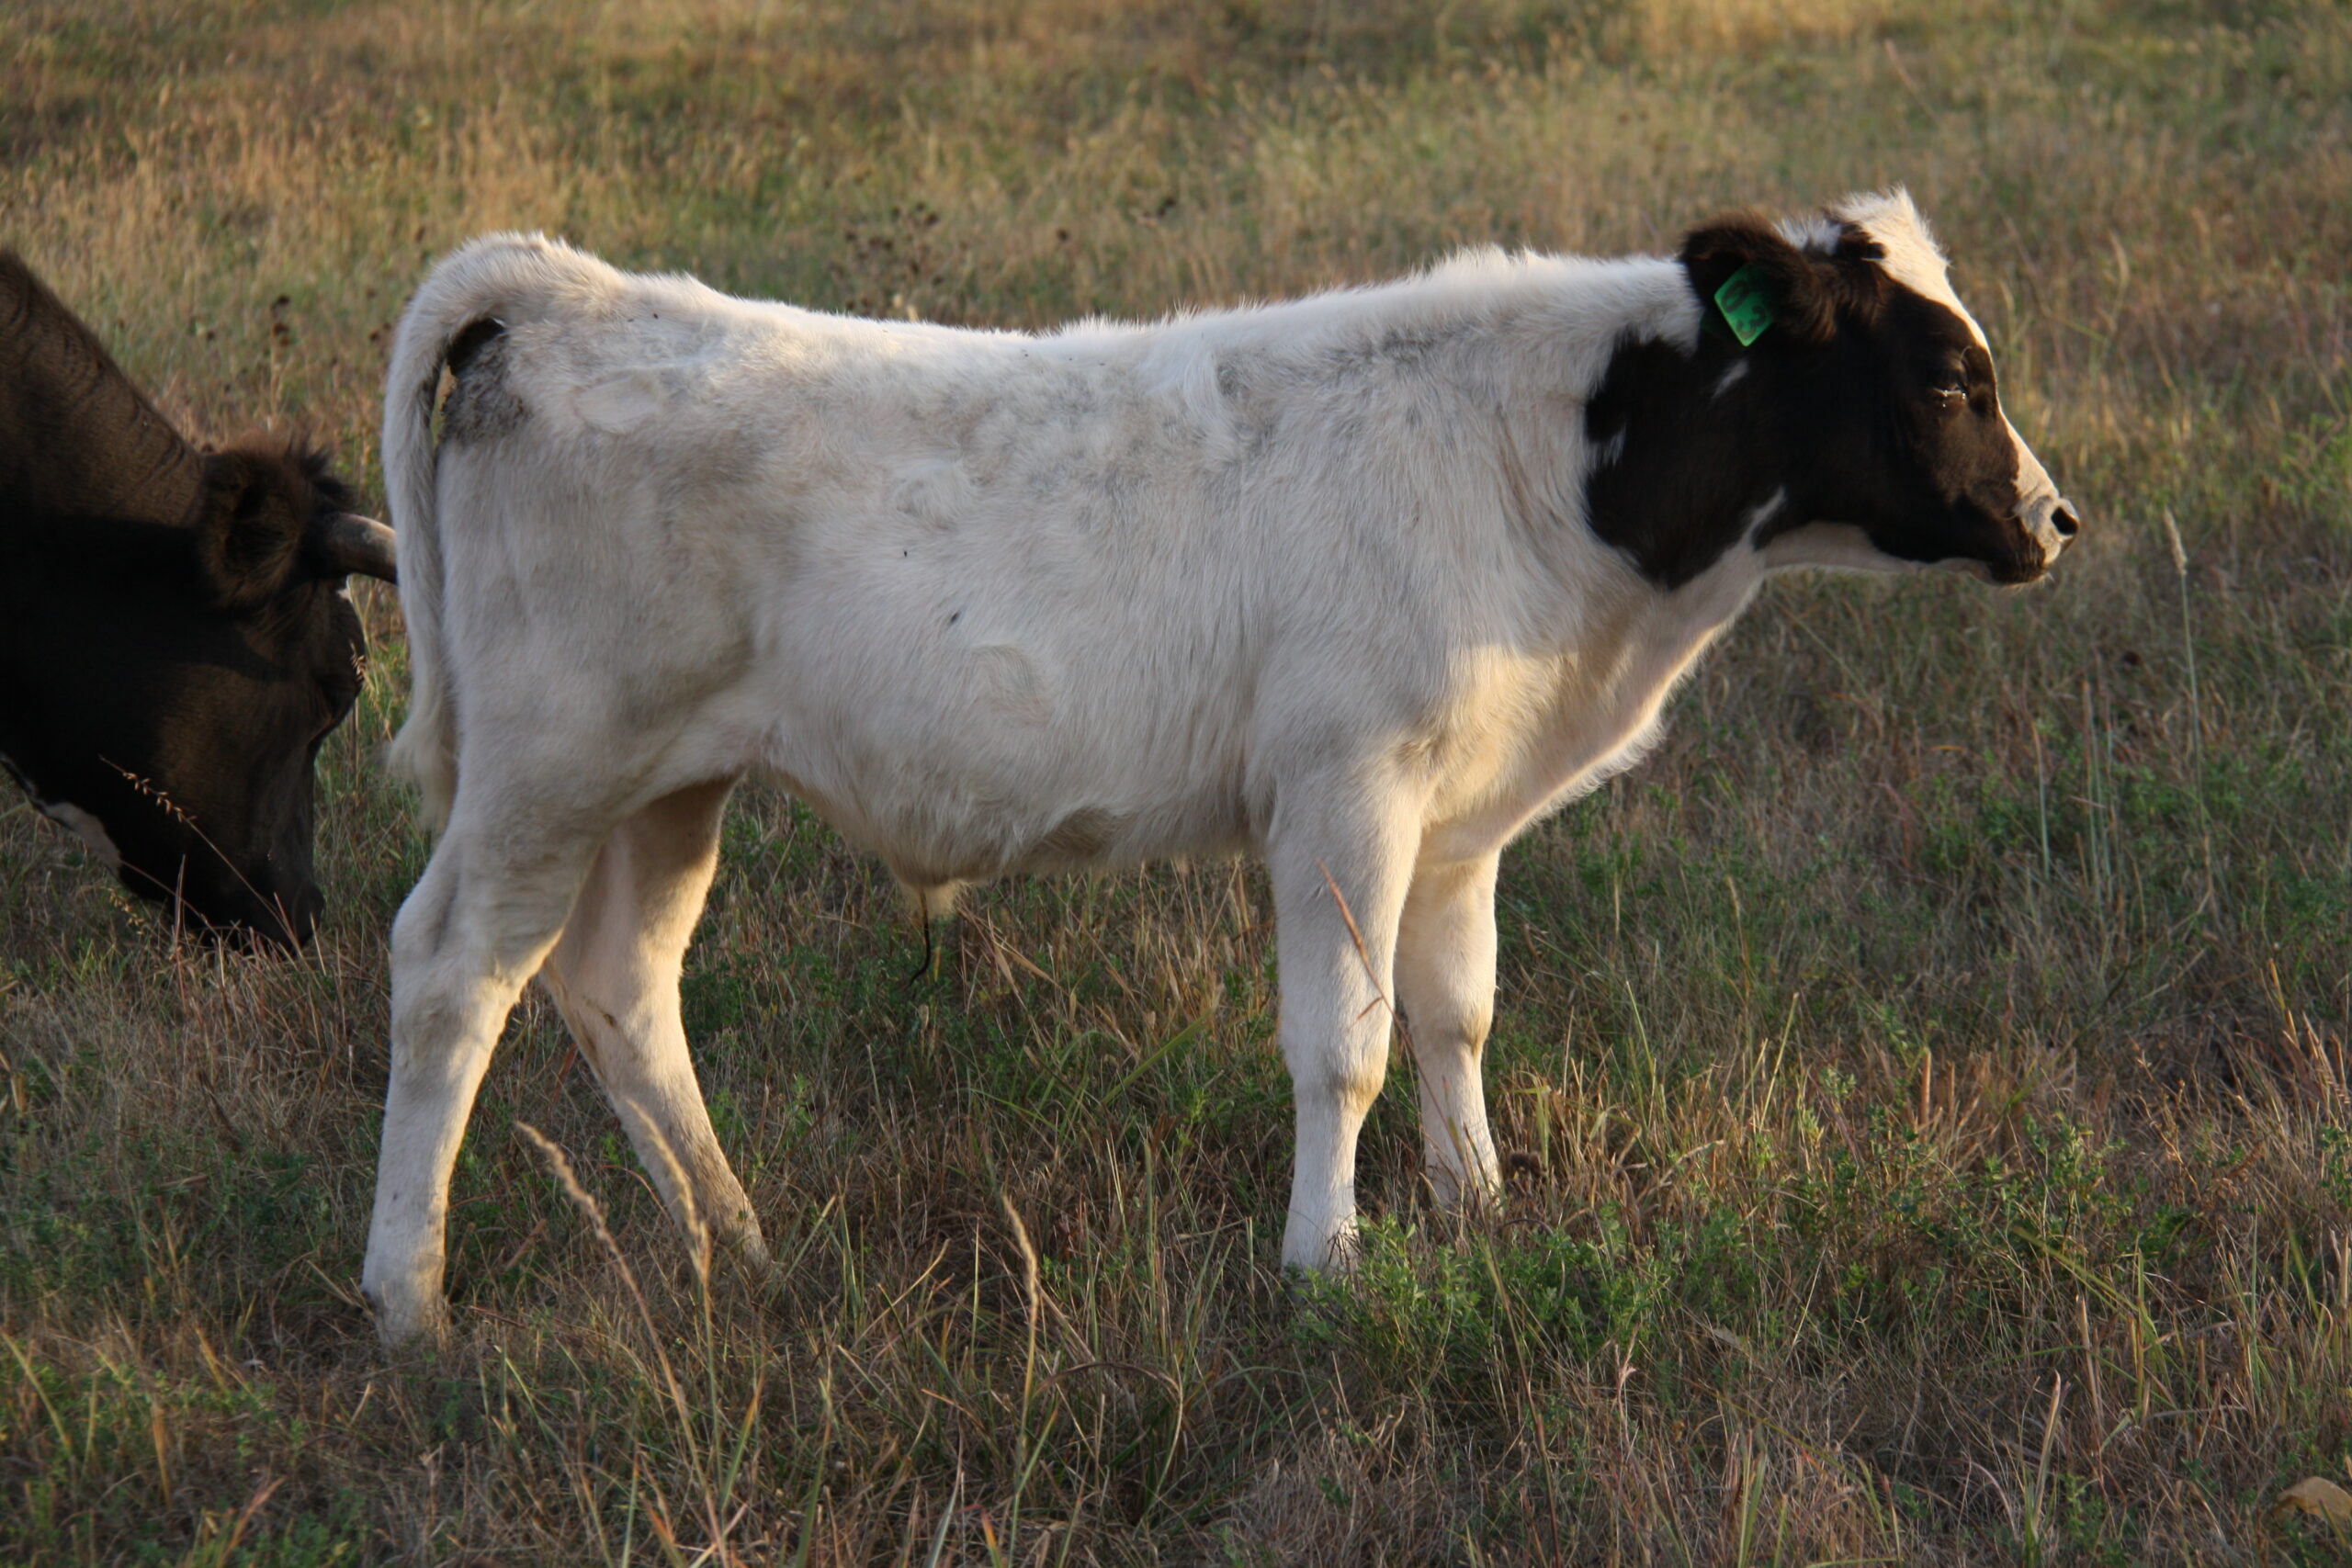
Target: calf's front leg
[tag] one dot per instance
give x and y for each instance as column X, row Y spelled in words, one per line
column 1340, row 878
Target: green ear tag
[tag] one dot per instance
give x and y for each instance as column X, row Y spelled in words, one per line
column 1746, row 309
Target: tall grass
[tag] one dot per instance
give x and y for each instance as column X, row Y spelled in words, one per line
column 1925, row 1077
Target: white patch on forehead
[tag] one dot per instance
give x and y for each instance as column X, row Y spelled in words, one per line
column 1762, row 514
column 85, row 827
column 1731, row 376
column 1819, row 232
column 1912, row 257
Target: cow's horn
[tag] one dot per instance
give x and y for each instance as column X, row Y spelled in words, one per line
column 355, row 544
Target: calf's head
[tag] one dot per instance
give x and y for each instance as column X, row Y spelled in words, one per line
column 178, row 643
column 1873, row 389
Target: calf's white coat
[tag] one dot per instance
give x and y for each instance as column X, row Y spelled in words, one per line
column 1308, row 579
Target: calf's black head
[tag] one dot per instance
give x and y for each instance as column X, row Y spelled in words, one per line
column 174, row 641
column 1839, row 408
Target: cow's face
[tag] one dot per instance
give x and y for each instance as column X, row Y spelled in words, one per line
column 193, row 673
column 1882, row 395
column 174, row 643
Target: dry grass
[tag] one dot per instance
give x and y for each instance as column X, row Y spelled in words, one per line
column 1929, row 1067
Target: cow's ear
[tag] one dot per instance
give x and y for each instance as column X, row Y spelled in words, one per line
column 249, row 535
column 1755, row 286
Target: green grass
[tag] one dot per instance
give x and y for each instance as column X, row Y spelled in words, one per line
column 1926, row 1076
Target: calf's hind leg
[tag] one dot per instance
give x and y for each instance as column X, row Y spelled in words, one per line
column 1446, row 987
column 614, row 977
column 478, row 924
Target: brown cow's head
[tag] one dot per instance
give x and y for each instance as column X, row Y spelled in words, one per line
column 177, row 642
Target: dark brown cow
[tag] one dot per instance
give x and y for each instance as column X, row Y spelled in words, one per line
column 174, row 641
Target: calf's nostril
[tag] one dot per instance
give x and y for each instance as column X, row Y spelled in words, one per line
column 2065, row 522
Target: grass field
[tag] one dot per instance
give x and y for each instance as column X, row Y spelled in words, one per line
column 1927, row 1075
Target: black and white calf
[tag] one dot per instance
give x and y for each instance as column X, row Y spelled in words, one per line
column 1362, row 583
column 174, row 642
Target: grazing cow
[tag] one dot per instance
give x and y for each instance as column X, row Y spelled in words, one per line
column 174, row 642
column 1362, row 583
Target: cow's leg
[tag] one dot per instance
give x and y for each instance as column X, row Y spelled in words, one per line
column 615, row 975
column 1445, row 988
column 480, row 921
column 1340, row 876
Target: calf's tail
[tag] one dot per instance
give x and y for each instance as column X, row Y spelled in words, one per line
column 484, row 287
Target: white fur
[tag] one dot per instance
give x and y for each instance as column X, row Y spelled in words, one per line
column 1306, row 579
column 1912, row 258
column 74, row 820
column 85, row 827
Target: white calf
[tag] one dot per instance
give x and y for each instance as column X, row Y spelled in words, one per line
column 1364, row 583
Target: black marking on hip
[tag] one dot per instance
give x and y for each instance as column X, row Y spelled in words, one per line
column 481, row 406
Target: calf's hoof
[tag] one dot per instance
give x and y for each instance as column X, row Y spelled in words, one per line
column 762, row 1275
column 1465, row 1198
column 1332, row 1257
column 410, row 1323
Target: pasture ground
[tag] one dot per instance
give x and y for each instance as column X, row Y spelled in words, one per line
column 1928, row 1070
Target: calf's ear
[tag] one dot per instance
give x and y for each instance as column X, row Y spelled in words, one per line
column 1755, row 286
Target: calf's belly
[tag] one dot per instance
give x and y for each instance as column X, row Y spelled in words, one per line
column 945, row 813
